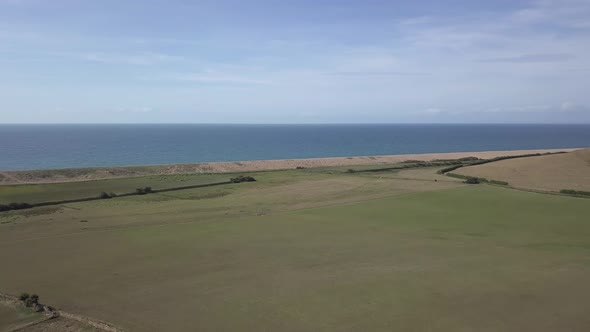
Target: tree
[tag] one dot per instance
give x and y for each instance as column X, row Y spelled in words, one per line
column 23, row 296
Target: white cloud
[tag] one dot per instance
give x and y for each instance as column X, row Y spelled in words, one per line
column 143, row 109
column 220, row 78
column 141, row 59
column 433, row 110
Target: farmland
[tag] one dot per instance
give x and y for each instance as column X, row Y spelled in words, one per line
column 550, row 172
column 305, row 250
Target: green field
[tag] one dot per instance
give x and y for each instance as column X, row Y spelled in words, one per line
column 307, row 251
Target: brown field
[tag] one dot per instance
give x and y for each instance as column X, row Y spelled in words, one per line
column 97, row 173
column 552, row 172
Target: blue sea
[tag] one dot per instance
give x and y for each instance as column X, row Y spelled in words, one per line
column 64, row 146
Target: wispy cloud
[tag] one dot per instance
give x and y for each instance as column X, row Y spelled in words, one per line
column 564, row 13
column 533, row 58
column 219, row 78
column 143, row 109
column 142, row 59
column 377, row 73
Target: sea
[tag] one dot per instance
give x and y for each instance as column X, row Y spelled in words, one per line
column 25, row 147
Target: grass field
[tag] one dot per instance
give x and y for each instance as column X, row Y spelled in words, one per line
column 552, row 172
column 34, row 193
column 309, row 251
column 12, row 318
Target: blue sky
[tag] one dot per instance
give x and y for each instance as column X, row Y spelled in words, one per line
column 287, row 61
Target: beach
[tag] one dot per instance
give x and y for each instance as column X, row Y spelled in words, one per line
column 100, row 173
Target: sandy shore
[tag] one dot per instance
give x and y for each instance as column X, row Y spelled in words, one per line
column 98, row 173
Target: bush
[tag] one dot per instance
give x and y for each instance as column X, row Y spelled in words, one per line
column 144, row 190
column 16, row 206
column 350, row 170
column 498, row 182
column 472, row 180
column 575, row 192
column 449, row 169
column 104, row 195
column 242, row 178
column 32, row 301
column 23, row 296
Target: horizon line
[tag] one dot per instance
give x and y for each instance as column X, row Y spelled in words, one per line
column 295, row 124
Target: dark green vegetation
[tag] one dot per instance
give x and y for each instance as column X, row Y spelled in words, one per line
column 105, row 195
column 309, row 250
column 472, row 161
column 575, row 192
column 476, row 180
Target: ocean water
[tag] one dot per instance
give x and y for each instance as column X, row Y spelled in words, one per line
column 63, row 146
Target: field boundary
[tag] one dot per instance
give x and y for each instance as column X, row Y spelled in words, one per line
column 487, row 161
column 22, row 206
column 447, row 171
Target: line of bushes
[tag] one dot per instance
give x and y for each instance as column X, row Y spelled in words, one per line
column 485, row 161
column 14, row 206
column 416, row 164
column 105, row 195
column 575, row 192
column 475, row 180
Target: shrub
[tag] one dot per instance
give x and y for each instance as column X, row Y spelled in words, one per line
column 472, row 180
column 575, row 192
column 144, row 190
column 498, row 182
column 104, row 195
column 19, row 206
column 32, row 300
column 350, row 170
column 23, row 296
column 449, row 169
column 299, row 167
column 469, row 159
column 242, row 178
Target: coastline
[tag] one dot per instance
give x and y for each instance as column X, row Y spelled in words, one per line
column 102, row 173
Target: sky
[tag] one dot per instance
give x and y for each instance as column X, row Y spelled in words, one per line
column 294, row 61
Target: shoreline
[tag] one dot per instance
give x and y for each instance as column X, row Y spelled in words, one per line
column 113, row 172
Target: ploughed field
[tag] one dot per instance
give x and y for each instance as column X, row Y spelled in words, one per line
column 304, row 250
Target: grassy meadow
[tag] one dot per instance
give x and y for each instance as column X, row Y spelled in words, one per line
column 305, row 250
